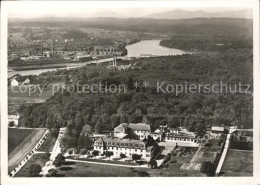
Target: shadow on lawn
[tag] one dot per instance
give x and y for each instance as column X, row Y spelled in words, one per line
column 69, row 163
column 66, row 168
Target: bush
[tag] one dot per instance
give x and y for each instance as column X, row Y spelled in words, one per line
column 136, row 157
column 52, row 172
column 208, row 168
column 143, row 174
column 122, row 156
column 153, row 164
column 35, row 169
column 55, row 133
column 59, row 160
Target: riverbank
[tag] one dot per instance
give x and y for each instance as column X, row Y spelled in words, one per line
column 143, row 48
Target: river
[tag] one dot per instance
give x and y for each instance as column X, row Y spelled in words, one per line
column 144, row 47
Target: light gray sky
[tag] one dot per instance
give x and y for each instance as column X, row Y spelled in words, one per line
column 32, row 9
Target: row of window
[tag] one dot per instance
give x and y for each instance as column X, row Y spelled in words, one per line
column 180, row 139
column 116, row 148
column 140, row 131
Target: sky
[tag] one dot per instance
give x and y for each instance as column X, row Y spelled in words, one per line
column 25, row 9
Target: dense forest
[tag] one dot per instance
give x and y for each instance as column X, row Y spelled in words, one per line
column 208, row 42
column 196, row 111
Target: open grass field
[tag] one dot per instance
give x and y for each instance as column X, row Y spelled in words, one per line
column 22, row 96
column 36, row 158
column 72, row 169
column 16, row 137
column 238, row 163
column 48, row 144
column 23, row 144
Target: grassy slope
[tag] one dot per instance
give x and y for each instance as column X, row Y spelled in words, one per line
column 238, row 163
column 16, row 137
column 25, row 146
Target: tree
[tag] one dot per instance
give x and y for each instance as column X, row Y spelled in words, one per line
column 11, row 124
column 52, row 172
column 45, row 157
column 109, row 154
column 200, row 129
column 153, row 164
column 122, row 156
column 55, row 133
column 86, row 130
column 95, row 153
column 98, row 127
column 136, row 157
column 208, row 168
column 35, row 169
column 85, row 142
column 59, row 160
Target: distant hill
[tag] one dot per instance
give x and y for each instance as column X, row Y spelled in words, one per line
column 184, row 14
column 174, row 26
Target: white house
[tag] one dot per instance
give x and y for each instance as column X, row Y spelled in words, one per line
column 217, row 130
column 181, row 138
column 26, row 81
column 142, row 130
column 13, row 119
column 14, row 82
column 124, row 146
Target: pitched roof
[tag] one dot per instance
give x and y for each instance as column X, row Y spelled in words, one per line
column 218, row 128
column 116, row 142
column 122, row 125
column 140, row 126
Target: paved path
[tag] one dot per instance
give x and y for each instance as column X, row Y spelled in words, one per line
column 224, row 153
column 55, row 151
column 109, row 164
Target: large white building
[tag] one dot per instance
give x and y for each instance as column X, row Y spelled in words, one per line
column 142, row 130
column 122, row 146
column 14, row 82
column 181, row 138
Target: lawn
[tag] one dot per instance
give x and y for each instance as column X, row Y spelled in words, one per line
column 23, row 97
column 238, row 163
column 16, row 137
column 24, row 171
column 75, row 169
column 72, row 169
column 21, row 143
column 48, row 144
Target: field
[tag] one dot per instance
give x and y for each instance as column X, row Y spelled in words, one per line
column 48, row 144
column 23, row 97
column 71, row 169
column 178, row 158
column 75, row 169
column 16, row 136
column 24, row 171
column 23, row 144
column 238, row 163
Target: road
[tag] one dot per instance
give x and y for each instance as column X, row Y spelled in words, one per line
column 224, row 153
column 55, row 151
column 109, row 164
